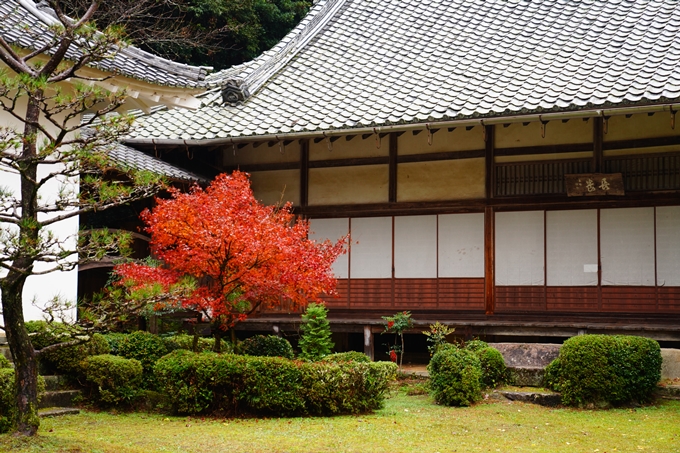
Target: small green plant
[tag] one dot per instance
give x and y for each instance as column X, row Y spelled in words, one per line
column 4, row 363
column 266, row 346
column 476, row 345
column 315, row 341
column 397, row 324
column 8, row 398
column 436, row 336
column 455, row 377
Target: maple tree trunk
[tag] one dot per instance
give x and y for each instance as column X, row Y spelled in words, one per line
column 25, row 363
column 218, row 339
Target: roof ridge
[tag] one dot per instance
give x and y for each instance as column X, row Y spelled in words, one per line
column 238, row 86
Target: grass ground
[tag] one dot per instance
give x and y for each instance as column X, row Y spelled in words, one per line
column 406, row 424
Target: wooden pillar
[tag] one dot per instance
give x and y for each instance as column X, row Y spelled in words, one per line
column 392, row 191
column 489, row 226
column 368, row 342
column 489, row 261
column 304, row 172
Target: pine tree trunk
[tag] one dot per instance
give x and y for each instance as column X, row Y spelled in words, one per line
column 23, row 355
column 12, row 285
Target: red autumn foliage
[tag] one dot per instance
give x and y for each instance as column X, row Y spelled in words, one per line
column 237, row 250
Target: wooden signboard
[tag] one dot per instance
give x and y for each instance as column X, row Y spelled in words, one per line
column 594, row 184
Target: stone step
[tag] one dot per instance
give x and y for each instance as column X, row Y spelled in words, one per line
column 55, row 382
column 671, row 392
column 526, row 376
column 4, row 350
column 59, row 398
column 540, row 398
column 3, row 339
column 58, row 411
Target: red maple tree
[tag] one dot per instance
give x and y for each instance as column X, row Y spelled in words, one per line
column 239, row 253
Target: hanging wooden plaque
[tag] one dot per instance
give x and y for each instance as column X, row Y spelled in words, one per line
column 594, row 184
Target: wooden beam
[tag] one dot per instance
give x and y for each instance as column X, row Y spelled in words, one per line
column 394, row 153
column 349, row 162
column 447, row 155
column 544, row 149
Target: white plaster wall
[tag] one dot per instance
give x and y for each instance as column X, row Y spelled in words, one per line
column 272, row 187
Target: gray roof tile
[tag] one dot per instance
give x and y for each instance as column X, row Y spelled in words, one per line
column 402, row 61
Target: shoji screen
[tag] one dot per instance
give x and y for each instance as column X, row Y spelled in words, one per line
column 668, row 245
column 461, row 245
column 519, row 248
column 415, row 246
column 332, row 229
column 571, row 248
column 627, row 246
column 371, row 248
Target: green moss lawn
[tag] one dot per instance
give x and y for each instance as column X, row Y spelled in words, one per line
column 406, row 424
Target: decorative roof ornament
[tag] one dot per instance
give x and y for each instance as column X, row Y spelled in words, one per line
column 234, row 90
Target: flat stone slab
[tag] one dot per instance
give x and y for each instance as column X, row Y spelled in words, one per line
column 671, row 392
column 58, row 411
column 670, row 368
column 55, row 382
column 542, row 399
column 527, row 354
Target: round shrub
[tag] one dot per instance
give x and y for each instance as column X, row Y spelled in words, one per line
column 68, row 359
column 184, row 341
column 350, row 356
column 116, row 379
column 476, row 345
column 603, row 370
column 455, row 377
column 493, row 366
column 145, row 347
column 114, row 340
column 266, row 346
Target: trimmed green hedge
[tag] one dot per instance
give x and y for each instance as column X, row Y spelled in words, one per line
column 271, row 385
column 350, row 356
column 145, row 347
column 455, row 377
column 68, row 359
column 4, row 362
column 604, row 369
column 493, row 366
column 113, row 380
column 184, row 341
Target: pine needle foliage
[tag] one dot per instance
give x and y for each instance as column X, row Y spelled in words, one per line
column 315, row 342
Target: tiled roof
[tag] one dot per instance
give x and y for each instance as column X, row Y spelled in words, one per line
column 25, row 24
column 384, row 62
column 131, row 158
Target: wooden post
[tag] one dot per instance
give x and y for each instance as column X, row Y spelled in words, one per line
column 304, row 172
column 368, row 342
column 598, row 139
column 489, row 261
column 392, row 191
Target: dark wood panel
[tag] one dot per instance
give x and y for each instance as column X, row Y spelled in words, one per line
column 669, row 299
column 341, row 299
column 520, row 298
column 629, row 299
column 461, row 293
column 413, row 293
column 571, row 298
column 370, row 292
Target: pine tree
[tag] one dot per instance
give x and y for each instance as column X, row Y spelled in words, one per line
column 315, row 342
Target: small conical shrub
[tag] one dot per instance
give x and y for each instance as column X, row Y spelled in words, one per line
column 315, row 342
